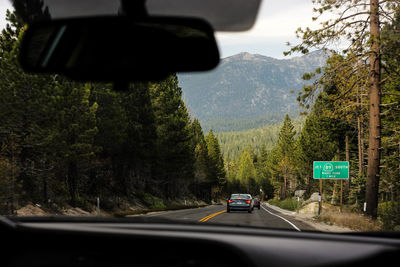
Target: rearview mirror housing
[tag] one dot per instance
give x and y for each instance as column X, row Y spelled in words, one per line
column 119, row 48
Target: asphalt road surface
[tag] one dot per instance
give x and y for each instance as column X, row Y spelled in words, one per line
column 265, row 217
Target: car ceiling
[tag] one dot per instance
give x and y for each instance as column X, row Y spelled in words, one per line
column 223, row 15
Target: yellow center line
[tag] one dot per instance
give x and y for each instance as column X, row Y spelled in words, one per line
column 211, row 215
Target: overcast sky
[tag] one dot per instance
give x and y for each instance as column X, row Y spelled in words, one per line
column 4, row 5
column 276, row 23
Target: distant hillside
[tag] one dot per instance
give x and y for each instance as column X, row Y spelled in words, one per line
column 232, row 143
column 248, row 86
column 219, row 125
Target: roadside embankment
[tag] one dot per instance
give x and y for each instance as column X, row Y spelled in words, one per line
column 142, row 204
column 331, row 219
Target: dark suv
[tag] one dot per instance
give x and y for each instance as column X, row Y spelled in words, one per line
column 240, row 202
column 257, row 202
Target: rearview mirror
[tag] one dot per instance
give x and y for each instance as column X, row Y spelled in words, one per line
column 119, row 48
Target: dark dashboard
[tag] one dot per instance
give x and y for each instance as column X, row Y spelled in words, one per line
column 84, row 243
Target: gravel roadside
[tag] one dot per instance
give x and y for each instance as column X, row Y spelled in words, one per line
column 309, row 219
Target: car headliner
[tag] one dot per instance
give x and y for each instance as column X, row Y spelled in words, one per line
column 223, row 15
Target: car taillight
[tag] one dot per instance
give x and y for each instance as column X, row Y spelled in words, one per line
column 248, row 201
column 230, row 201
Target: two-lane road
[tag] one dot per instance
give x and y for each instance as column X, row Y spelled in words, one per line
column 265, row 217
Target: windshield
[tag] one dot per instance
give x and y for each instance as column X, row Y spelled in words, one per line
column 240, row 196
column 302, row 112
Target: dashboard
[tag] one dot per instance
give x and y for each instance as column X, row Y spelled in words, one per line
column 102, row 243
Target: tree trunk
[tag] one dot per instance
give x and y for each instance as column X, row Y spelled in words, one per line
column 12, row 191
column 360, row 147
column 73, row 181
column 372, row 187
column 333, row 200
column 348, row 182
column 284, row 184
column 347, row 150
column 44, row 193
column 334, row 191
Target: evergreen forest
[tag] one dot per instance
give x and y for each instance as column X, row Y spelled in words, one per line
column 68, row 143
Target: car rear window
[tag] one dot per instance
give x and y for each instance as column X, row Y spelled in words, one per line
column 240, row 196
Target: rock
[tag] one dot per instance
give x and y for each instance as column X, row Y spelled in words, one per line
column 299, row 193
column 314, row 198
column 311, row 208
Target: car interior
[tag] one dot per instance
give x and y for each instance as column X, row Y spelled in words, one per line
column 112, row 242
column 68, row 42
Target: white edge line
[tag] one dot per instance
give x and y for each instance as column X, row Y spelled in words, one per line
column 294, row 226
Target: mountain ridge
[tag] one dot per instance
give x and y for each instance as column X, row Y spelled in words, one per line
column 248, row 85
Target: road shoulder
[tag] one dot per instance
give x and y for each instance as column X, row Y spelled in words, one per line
column 309, row 219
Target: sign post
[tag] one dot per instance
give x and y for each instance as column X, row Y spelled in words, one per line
column 98, row 206
column 320, row 197
column 341, row 195
column 331, row 170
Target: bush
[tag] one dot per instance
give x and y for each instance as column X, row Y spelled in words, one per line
column 151, row 201
column 287, row 204
column 388, row 213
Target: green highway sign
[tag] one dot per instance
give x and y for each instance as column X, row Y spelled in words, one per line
column 331, row 170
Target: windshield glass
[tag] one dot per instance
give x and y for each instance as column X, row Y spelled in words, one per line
column 240, row 196
column 302, row 111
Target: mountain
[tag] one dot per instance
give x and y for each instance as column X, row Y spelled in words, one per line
column 248, row 86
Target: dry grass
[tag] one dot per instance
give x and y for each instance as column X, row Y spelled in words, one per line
column 350, row 220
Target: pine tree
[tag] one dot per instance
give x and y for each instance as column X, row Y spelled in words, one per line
column 112, row 124
column 247, row 174
column 135, row 163
column 314, row 144
column 202, row 187
column 175, row 156
column 216, row 163
column 75, row 132
column 389, row 187
column 10, row 188
column 286, row 151
column 26, row 110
